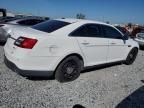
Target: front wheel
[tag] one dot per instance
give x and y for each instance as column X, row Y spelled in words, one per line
column 69, row 69
column 131, row 56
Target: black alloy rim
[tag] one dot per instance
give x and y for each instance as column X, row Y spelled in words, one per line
column 70, row 69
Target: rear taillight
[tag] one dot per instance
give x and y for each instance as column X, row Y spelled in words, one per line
column 25, row 42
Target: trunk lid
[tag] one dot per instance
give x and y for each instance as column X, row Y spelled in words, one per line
column 17, row 32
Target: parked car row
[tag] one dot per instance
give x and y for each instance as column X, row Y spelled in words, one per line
column 7, row 24
column 7, row 18
column 64, row 47
column 123, row 30
column 140, row 39
column 137, row 34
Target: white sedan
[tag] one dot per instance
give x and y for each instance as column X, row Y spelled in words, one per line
column 63, row 47
column 140, row 39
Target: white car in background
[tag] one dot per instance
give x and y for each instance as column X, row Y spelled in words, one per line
column 6, row 27
column 63, row 47
column 140, row 39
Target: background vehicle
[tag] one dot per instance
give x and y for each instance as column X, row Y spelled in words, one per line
column 137, row 30
column 7, row 19
column 123, row 30
column 10, row 23
column 3, row 12
column 140, row 39
column 62, row 47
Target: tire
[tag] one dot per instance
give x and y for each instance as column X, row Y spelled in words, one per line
column 131, row 56
column 69, row 69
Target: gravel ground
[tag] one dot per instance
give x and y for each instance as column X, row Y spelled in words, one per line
column 117, row 86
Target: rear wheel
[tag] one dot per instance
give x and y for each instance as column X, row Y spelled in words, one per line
column 131, row 56
column 69, row 69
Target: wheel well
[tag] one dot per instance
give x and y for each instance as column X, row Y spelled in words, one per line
column 74, row 54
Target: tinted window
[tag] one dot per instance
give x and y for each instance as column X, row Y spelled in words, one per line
column 29, row 22
column 7, row 19
column 50, row 26
column 111, row 32
column 142, row 31
column 123, row 30
column 88, row 30
column 81, row 31
column 94, row 30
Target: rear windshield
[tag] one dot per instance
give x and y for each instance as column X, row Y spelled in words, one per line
column 50, row 26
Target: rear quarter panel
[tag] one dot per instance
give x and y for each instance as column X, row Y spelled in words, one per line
column 56, row 46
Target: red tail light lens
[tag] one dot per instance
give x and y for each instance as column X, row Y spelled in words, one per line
column 24, row 42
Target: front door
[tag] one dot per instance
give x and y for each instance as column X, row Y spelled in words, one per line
column 93, row 45
column 117, row 46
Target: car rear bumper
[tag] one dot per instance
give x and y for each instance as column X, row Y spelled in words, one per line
column 27, row 73
column 25, row 61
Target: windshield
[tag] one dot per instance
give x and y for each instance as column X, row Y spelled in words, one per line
column 50, row 26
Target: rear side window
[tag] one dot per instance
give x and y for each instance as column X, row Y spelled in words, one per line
column 50, row 26
column 88, row 30
column 81, row 31
column 110, row 32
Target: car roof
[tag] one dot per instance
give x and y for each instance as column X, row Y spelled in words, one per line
column 75, row 23
column 73, row 20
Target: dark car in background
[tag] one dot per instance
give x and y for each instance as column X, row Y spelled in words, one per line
column 7, row 24
column 7, row 19
column 123, row 30
column 137, row 30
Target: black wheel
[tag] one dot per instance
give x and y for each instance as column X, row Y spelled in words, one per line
column 69, row 69
column 131, row 56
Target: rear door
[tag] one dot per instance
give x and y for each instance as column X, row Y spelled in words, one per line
column 117, row 46
column 92, row 43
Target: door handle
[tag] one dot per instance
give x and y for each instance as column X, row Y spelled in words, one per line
column 113, row 43
column 85, row 43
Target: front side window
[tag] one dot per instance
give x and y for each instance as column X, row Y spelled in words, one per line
column 111, row 33
column 87, row 30
column 50, row 26
column 94, row 30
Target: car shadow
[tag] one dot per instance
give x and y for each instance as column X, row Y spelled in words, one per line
column 99, row 67
column 86, row 70
column 134, row 100
column 78, row 106
column 40, row 78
